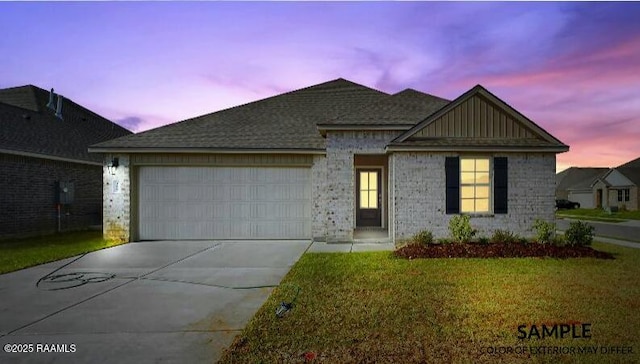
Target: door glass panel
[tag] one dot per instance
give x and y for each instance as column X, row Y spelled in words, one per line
column 368, row 190
column 364, row 199
column 373, row 199
column 373, row 181
column 364, row 181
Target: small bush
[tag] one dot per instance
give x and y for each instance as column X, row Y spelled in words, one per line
column 460, row 228
column 579, row 234
column 559, row 240
column 544, row 231
column 483, row 240
column 503, row 236
column 443, row 241
column 423, row 237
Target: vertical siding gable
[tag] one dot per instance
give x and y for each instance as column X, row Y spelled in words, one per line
column 476, row 117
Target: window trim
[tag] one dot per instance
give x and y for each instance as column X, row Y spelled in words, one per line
column 490, row 185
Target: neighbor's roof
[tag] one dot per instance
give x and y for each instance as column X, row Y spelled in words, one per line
column 29, row 127
column 631, row 170
column 406, row 108
column 286, row 122
column 577, row 178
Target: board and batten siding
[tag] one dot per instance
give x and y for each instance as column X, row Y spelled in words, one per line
column 489, row 121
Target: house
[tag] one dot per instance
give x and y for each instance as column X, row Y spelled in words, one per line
column 574, row 184
column 328, row 161
column 49, row 181
column 618, row 187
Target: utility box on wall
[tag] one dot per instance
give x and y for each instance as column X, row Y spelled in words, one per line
column 64, row 193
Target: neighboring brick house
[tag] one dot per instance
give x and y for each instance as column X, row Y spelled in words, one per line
column 327, row 161
column 575, row 184
column 43, row 150
column 618, row 187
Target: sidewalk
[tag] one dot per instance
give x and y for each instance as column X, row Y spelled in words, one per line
column 322, row 247
column 602, row 239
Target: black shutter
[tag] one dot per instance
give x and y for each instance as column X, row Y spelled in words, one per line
column 452, row 172
column 500, row 182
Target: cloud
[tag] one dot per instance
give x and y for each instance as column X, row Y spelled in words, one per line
column 132, row 123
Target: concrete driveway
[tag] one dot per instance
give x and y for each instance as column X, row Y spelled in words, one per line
column 161, row 301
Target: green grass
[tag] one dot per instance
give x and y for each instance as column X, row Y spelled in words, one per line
column 371, row 307
column 22, row 253
column 599, row 215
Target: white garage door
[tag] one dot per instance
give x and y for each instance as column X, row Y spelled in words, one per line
column 224, row 203
column 585, row 199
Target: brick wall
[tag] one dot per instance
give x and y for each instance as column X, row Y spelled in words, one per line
column 117, row 199
column 340, row 196
column 318, row 198
column 419, row 194
column 27, row 196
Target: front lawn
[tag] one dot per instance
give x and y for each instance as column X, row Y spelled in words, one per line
column 371, row 307
column 599, row 215
column 22, row 253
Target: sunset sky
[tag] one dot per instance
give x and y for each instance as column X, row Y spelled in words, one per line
column 573, row 68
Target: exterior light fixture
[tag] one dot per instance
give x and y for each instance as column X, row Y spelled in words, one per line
column 113, row 165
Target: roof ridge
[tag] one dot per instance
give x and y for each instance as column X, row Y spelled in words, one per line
column 409, row 89
column 307, row 88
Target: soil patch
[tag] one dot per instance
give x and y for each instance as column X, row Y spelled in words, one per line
column 497, row 250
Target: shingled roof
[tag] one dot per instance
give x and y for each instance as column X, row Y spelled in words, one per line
column 631, row 170
column 284, row 122
column 28, row 126
column 405, row 108
column 576, row 178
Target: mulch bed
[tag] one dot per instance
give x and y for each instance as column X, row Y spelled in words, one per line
column 497, row 250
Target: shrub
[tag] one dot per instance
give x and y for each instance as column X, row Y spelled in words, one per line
column 503, row 236
column 423, row 237
column 544, row 231
column 443, row 241
column 559, row 240
column 483, row 240
column 460, row 228
column 579, row 234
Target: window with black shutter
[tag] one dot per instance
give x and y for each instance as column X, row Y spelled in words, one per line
column 500, row 185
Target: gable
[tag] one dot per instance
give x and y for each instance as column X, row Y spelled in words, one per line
column 476, row 117
column 477, row 120
column 615, row 179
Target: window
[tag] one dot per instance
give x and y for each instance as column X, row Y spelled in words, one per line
column 623, row 195
column 619, row 195
column 368, row 190
column 475, row 185
column 626, row 195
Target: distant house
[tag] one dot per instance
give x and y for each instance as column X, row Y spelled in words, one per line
column 48, row 180
column 618, row 187
column 329, row 161
column 575, row 183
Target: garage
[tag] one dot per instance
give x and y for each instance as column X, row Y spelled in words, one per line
column 585, row 199
column 224, row 202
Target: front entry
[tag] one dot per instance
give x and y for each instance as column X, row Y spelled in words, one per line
column 368, row 197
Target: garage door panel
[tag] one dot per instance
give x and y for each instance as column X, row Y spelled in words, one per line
column 224, row 203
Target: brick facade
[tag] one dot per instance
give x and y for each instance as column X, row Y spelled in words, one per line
column 28, row 196
column 419, row 194
column 416, row 191
column 117, row 200
column 341, row 147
